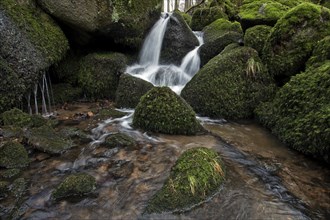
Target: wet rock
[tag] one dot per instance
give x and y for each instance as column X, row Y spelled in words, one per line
column 18, row 187
column 205, row 16
column 161, row 110
column 4, row 185
column 120, row 140
column 217, row 36
column 75, row 134
column 130, row 90
column 11, row 132
column 105, row 152
column 121, row 169
column 231, row 85
column 42, row 157
column 75, row 185
column 178, row 41
column 256, row 37
column 107, row 113
column 47, row 140
column 13, row 155
column 196, row 176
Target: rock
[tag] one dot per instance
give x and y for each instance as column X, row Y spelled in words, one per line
column 161, row 110
column 99, row 74
column 121, row 169
column 321, row 53
column 130, row 90
column 256, row 37
column 30, row 42
column 79, row 184
column 205, row 16
column 178, row 41
column 107, row 113
column 293, row 38
column 64, row 93
column 123, row 22
column 4, row 185
column 120, row 140
column 228, row 6
column 217, row 36
column 197, row 175
column 299, row 114
column 76, row 134
column 230, row 85
column 47, row 140
column 10, row 173
column 16, row 117
column 13, row 155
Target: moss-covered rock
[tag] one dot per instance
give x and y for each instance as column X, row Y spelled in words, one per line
column 321, row 53
column 161, row 110
column 205, row 16
column 293, row 38
column 18, row 187
column 47, row 140
column 217, row 36
column 99, row 74
column 230, row 85
column 178, row 40
column 75, row 185
column 196, row 176
column 16, row 118
column 130, row 90
column 119, row 140
column 300, row 112
column 256, row 37
column 107, row 113
column 13, row 155
column 228, row 6
column 64, row 92
column 75, row 134
column 186, row 17
column 10, row 173
column 4, row 185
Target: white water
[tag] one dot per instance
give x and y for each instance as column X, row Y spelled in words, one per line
column 172, row 76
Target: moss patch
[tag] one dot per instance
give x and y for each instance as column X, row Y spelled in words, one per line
column 119, row 140
column 161, row 110
column 16, row 117
column 197, row 175
column 205, row 16
column 13, row 155
column 321, row 53
column 66, row 93
column 256, row 37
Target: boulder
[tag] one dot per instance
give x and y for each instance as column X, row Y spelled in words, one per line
column 178, row 41
column 119, row 140
column 99, row 74
column 130, row 90
column 30, row 42
column 256, row 37
column 230, row 7
column 230, row 85
column 293, row 38
column 161, row 110
column 300, row 112
column 13, row 155
column 122, row 21
column 64, row 92
column 196, row 176
column 320, row 54
column 217, row 36
column 205, row 16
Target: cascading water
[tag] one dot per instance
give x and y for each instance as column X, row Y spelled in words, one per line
column 172, row 76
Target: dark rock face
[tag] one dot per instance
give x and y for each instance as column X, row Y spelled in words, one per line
column 178, row 41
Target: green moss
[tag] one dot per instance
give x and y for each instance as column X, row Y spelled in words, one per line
column 76, row 134
column 10, row 173
column 196, row 176
column 321, row 53
column 230, row 85
column 186, row 17
column 75, row 185
column 13, row 155
column 99, row 74
column 107, row 113
column 228, row 6
column 256, row 37
column 66, row 93
column 119, row 140
column 4, row 185
column 130, row 90
column 18, row 187
column 220, row 27
column 17, row 118
column 300, row 112
column 205, row 16
column 67, row 70
column 161, row 110
column 41, row 29
column 293, row 38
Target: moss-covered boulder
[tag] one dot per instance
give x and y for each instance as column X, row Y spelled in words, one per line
column 75, row 185
column 4, row 186
column 196, row 176
column 119, row 140
column 121, row 21
column 130, row 90
column 16, row 118
column 64, row 92
column 30, row 43
column 293, row 38
column 107, row 113
column 230, row 7
column 230, row 85
column 75, row 134
column 264, row 12
column 47, row 140
column 256, row 37
column 217, row 36
column 161, row 110
column 321, row 53
column 99, row 74
column 10, row 173
column 13, row 155
column 300, row 112
column 178, row 40
column 205, row 16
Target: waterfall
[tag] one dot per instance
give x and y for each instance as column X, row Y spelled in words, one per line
column 148, row 68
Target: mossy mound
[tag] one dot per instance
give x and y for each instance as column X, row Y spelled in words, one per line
column 321, row 53
column 10, row 173
column 196, row 176
column 228, row 6
column 130, row 90
column 66, row 93
column 119, row 140
column 13, row 155
column 293, row 38
column 230, row 85
column 75, row 134
column 47, row 140
column 217, row 36
column 205, row 16
column 256, row 37
column 186, row 17
column 161, row 110
column 300, row 112
column 75, row 185
column 16, row 118
column 99, row 74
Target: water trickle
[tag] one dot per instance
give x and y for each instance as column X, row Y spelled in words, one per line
column 171, row 75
